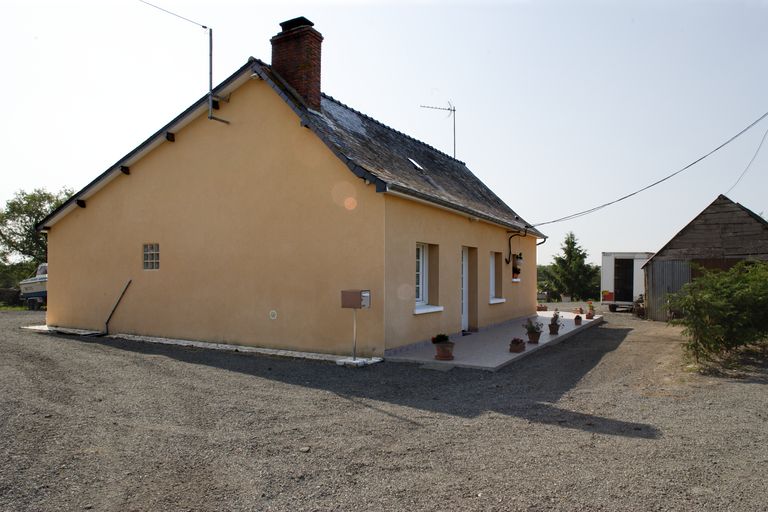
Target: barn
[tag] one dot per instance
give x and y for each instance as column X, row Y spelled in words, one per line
column 723, row 234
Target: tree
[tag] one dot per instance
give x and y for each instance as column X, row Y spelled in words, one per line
column 545, row 284
column 18, row 238
column 12, row 273
column 570, row 274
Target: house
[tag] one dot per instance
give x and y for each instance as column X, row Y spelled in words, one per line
column 718, row 238
column 247, row 231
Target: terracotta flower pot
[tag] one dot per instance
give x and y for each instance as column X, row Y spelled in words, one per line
column 533, row 337
column 517, row 346
column 590, row 315
column 577, row 320
column 444, row 351
column 541, row 307
column 554, row 329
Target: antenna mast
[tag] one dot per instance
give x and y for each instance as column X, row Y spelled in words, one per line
column 210, row 58
column 452, row 112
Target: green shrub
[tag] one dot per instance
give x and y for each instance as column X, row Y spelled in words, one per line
column 724, row 310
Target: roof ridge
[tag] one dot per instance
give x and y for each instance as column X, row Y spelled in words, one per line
column 328, row 96
column 754, row 215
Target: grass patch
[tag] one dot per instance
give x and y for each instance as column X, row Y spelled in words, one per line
column 3, row 307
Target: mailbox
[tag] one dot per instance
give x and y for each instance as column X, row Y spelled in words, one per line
column 356, row 299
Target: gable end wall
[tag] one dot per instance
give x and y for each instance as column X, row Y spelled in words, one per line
column 722, row 231
column 251, row 217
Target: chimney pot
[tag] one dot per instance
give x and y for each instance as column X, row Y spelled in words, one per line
column 296, row 58
column 301, row 21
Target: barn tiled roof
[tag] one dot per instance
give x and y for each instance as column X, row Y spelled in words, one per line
column 723, row 230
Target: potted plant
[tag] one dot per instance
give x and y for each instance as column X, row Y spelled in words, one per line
column 590, row 310
column 444, row 347
column 515, row 272
column 533, row 329
column 577, row 319
column 517, row 345
column 555, row 323
column 541, row 307
column 579, row 310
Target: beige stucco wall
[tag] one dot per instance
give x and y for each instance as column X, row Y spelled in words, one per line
column 251, row 217
column 409, row 223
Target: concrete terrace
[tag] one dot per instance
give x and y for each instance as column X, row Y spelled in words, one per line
column 488, row 349
column 484, row 350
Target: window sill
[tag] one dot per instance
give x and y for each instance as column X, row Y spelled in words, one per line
column 422, row 309
column 497, row 300
column 517, row 280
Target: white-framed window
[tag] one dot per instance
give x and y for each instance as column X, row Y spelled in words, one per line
column 427, row 279
column 495, row 282
column 151, row 256
column 422, row 267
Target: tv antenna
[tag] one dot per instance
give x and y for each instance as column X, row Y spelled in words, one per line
column 210, row 59
column 452, row 113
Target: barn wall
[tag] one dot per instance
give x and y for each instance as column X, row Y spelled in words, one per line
column 661, row 279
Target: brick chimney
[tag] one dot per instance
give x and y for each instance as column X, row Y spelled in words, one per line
column 296, row 58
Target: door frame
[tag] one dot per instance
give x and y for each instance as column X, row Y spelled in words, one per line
column 464, row 289
column 468, row 289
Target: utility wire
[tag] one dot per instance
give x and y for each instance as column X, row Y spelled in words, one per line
column 600, row 207
column 749, row 164
column 174, row 14
column 210, row 57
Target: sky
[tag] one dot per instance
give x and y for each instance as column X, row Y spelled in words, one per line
column 560, row 105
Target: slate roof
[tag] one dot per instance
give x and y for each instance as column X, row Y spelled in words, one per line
column 408, row 165
column 370, row 149
column 384, row 155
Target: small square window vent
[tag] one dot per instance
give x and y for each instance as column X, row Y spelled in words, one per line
column 151, row 256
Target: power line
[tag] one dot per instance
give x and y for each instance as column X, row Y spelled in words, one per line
column 174, row 14
column 600, row 207
column 749, row 164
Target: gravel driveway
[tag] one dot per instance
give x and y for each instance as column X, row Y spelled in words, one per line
column 608, row 420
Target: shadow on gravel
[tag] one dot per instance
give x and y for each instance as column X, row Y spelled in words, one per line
column 749, row 365
column 527, row 389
